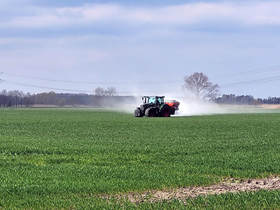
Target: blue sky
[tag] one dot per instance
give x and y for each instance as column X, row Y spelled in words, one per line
column 145, row 47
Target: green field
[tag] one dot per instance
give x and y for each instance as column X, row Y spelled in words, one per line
column 67, row 158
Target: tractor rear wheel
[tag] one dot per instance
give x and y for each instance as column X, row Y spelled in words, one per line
column 165, row 111
column 172, row 111
column 165, row 114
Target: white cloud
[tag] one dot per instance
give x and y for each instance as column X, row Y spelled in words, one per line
column 264, row 13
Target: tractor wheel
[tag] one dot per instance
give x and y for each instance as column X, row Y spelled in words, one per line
column 165, row 111
column 151, row 112
column 137, row 112
column 165, row 114
column 172, row 111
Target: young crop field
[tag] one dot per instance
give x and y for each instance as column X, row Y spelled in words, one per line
column 83, row 158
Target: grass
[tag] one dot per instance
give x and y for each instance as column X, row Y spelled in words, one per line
column 66, row 157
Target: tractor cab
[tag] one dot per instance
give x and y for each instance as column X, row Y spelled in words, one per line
column 153, row 99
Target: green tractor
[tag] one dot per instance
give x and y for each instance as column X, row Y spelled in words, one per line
column 155, row 106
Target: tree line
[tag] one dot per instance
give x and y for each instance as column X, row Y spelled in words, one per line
column 19, row 99
column 233, row 99
column 246, row 99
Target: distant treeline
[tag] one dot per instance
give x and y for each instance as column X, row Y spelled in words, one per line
column 20, row 99
column 246, row 99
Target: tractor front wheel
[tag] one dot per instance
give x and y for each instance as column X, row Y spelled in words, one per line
column 137, row 113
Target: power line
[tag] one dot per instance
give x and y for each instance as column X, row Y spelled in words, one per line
column 262, row 80
column 143, row 92
column 263, row 70
column 85, row 82
column 46, row 87
column 238, row 83
column 50, row 80
column 259, row 70
column 58, row 89
column 248, row 82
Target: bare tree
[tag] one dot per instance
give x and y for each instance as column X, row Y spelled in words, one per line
column 99, row 91
column 199, row 85
column 110, row 91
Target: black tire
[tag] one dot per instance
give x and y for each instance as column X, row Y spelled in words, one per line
column 165, row 111
column 151, row 112
column 172, row 111
column 137, row 113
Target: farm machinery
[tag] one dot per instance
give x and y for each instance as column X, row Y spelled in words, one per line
column 156, row 106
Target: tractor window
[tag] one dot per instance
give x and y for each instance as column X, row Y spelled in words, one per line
column 161, row 100
column 145, row 100
column 152, row 100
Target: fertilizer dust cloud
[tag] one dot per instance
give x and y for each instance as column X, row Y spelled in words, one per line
column 192, row 107
column 189, row 106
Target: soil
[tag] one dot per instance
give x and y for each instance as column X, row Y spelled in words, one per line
column 270, row 106
column 230, row 185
